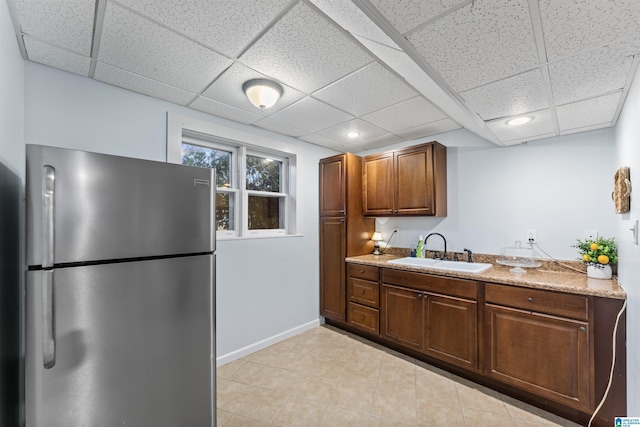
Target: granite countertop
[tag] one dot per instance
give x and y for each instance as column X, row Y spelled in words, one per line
column 545, row 277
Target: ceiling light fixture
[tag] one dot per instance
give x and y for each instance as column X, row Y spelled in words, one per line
column 262, row 93
column 519, row 121
column 353, row 134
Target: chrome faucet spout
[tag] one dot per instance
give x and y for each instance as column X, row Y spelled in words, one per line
column 444, row 256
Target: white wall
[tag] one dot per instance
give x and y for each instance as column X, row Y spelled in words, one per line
column 560, row 187
column 11, row 96
column 628, row 154
column 264, row 286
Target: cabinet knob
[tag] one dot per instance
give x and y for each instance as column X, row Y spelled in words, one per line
column 582, row 329
column 530, row 299
column 361, row 271
column 419, row 295
column 361, row 317
column 362, row 291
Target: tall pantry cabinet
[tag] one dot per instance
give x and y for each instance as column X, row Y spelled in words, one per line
column 344, row 231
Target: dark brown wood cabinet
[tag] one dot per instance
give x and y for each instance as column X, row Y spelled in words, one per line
column 412, row 181
column 363, row 298
column 344, row 231
column 418, row 315
column 540, row 342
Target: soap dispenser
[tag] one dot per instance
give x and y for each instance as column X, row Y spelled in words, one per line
column 419, row 247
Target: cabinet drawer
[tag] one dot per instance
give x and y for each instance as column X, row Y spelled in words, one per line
column 366, row 272
column 426, row 282
column 548, row 302
column 363, row 292
column 362, row 317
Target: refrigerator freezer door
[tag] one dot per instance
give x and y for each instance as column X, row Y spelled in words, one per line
column 133, row 344
column 108, row 207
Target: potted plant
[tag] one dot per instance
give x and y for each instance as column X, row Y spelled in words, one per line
column 598, row 255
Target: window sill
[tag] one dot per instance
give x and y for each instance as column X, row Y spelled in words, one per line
column 279, row 236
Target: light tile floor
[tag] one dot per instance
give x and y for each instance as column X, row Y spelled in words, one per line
column 328, row 377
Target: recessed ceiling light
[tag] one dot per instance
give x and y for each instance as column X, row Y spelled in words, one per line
column 353, row 134
column 519, row 121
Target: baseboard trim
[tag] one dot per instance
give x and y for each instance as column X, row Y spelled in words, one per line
column 252, row 348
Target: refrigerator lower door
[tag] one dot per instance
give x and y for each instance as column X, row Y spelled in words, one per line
column 133, row 345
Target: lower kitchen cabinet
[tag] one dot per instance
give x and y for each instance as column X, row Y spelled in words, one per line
column 363, row 295
column 402, row 316
column 332, row 269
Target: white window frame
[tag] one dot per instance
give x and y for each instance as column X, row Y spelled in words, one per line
column 241, row 142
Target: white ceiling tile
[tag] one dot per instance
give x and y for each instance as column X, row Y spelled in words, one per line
column 135, row 44
column 340, row 131
column 228, row 90
column 540, row 126
column 405, row 15
column 124, row 79
column 592, row 73
column 56, row 57
column 282, row 128
column 410, row 113
column 593, row 111
column 65, row 23
column 311, row 115
column 512, row 96
column 305, row 51
column 433, row 128
column 325, row 142
column 479, row 43
column 575, row 26
column 368, row 89
column 225, row 111
column 378, row 141
column 224, row 25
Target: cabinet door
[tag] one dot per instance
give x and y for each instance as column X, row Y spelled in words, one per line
column 333, row 186
column 332, row 268
column 450, row 331
column 401, row 315
column 544, row 354
column 378, row 184
column 413, row 172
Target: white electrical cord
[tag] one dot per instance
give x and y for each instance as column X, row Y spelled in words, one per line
column 613, row 363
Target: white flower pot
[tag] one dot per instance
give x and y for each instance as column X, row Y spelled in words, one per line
column 599, row 273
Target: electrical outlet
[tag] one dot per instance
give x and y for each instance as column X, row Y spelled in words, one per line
column 531, row 236
column 591, row 235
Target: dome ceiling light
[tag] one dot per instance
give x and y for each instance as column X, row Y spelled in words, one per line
column 262, row 93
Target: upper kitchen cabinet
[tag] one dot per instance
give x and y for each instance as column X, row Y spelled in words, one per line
column 412, row 181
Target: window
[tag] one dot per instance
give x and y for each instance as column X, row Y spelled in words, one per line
column 255, row 192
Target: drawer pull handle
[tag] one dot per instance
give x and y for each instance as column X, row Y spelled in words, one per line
column 530, row 299
column 361, row 317
column 582, row 329
column 362, row 291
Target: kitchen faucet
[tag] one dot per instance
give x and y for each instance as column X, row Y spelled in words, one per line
column 445, row 245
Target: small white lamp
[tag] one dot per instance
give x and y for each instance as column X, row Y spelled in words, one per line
column 262, row 93
column 377, row 238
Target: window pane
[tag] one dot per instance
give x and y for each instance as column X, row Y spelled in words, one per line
column 224, row 212
column 265, row 213
column 204, row 157
column 263, row 174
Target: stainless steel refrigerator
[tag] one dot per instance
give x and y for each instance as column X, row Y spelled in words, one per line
column 120, row 291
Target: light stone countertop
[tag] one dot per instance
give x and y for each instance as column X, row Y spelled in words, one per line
column 536, row 278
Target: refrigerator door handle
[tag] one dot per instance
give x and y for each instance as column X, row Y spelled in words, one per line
column 48, row 327
column 48, row 199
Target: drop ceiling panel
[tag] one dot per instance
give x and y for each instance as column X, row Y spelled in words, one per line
column 228, row 89
column 368, row 89
column 405, row 15
column 224, row 25
column 340, row 131
column 407, row 114
column 305, row 51
column 219, row 109
column 433, row 128
column 541, row 126
column 578, row 25
column 65, row 23
column 57, row 57
column 378, row 141
column 511, row 96
column 593, row 111
column 278, row 127
column 140, row 46
column 311, row 115
column 127, row 80
column 327, row 142
column 479, row 43
column 592, row 73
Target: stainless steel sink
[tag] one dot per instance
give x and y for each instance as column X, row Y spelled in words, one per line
column 464, row 267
